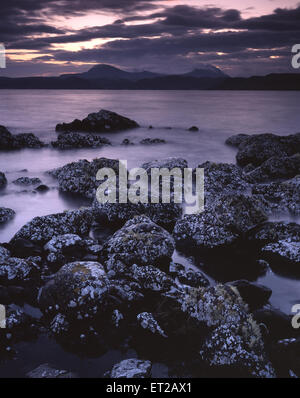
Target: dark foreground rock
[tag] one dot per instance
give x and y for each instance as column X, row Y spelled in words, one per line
column 41, row 229
column 254, row 294
column 26, row 181
column 9, row 141
column 77, row 140
column 102, row 121
column 131, row 368
column 6, row 214
column 45, row 371
column 3, row 180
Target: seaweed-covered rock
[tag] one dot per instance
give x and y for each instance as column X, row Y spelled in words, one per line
column 222, row 178
column 280, row 196
column 6, row 214
column 151, row 141
column 80, row 177
column 3, row 180
column 275, row 167
column 141, row 241
column 26, row 181
column 99, row 122
column 18, row 271
column 77, row 140
column 42, row 229
column 131, row 368
column 256, row 149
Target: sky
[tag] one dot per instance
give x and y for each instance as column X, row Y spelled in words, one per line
column 242, row 38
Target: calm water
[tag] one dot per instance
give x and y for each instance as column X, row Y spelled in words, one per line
column 217, row 114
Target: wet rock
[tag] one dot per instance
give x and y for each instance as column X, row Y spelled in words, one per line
column 275, row 167
column 236, row 140
column 277, row 323
column 41, row 229
column 80, row 177
column 77, row 140
column 6, row 214
column 280, row 196
column 151, row 278
column 131, row 368
column 42, row 188
column 24, row 248
column 117, row 317
column 254, row 294
column 193, row 128
column 286, row 356
column 141, row 241
column 99, row 122
column 26, row 181
column 18, row 271
column 256, row 149
column 9, row 141
column 127, row 141
column 4, row 253
column 270, row 232
column 188, row 276
column 3, row 180
column 168, row 163
column 151, row 141
column 283, row 253
column 45, row 371
column 222, row 178
column 147, row 322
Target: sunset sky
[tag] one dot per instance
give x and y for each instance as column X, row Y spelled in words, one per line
column 51, row 37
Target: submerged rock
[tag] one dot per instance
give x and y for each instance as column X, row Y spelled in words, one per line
column 151, row 141
column 99, row 122
column 42, row 229
column 6, row 214
column 77, row 140
column 193, row 128
column 131, row 368
column 280, row 196
column 141, row 241
column 80, row 177
column 3, row 180
column 10, row 141
column 26, row 181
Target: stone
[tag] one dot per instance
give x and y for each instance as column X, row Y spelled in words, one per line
column 78, row 140
column 6, row 214
column 45, row 371
column 131, row 368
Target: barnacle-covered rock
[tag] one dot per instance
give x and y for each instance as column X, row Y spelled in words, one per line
column 283, row 253
column 168, row 163
column 45, row 371
column 151, row 141
column 10, row 141
column 65, row 248
column 6, row 214
column 141, row 241
column 99, row 122
column 77, row 140
column 42, row 229
column 4, row 253
column 26, row 181
column 147, row 321
column 188, row 276
column 131, row 368
column 18, row 271
column 80, row 177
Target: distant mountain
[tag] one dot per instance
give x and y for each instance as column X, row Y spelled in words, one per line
column 206, row 71
column 111, row 73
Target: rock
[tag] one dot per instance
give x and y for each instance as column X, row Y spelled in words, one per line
column 279, row 196
column 142, row 242
column 168, row 163
column 193, row 128
column 236, row 140
column 283, row 253
column 9, row 141
column 286, row 354
column 270, row 232
column 131, row 368
column 277, row 323
column 77, row 140
column 127, row 141
column 275, row 167
column 254, row 294
column 45, row 371
column 188, row 276
column 256, row 149
column 99, row 122
column 6, row 214
column 26, row 181
column 3, row 180
column 147, row 322
column 18, row 271
column 151, row 141
column 24, row 248
column 151, row 278
column 41, row 229
column 222, row 178
column 80, row 177
column 4, row 253
column 42, row 188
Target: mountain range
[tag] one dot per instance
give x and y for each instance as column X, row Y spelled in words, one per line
column 206, row 77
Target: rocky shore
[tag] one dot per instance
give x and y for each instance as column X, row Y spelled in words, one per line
column 122, row 288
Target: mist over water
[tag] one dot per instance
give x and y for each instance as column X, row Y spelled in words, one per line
column 218, row 114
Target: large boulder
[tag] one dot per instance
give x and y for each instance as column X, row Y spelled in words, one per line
column 256, row 149
column 102, row 121
column 10, row 141
column 6, row 214
column 80, row 177
column 41, row 229
column 279, row 196
column 141, row 241
column 77, row 140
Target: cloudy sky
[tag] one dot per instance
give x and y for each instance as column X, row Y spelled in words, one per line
column 51, row 37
